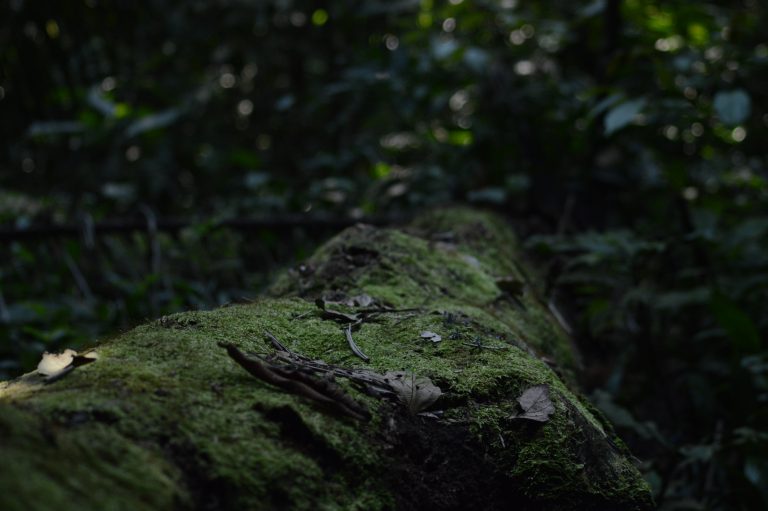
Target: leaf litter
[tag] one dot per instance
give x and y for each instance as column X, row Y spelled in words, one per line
column 431, row 336
column 416, row 393
column 313, row 379
column 536, row 404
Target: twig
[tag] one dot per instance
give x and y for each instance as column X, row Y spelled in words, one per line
column 479, row 345
column 355, row 349
column 404, row 318
column 80, row 281
column 371, row 383
column 559, row 317
column 710, row 479
column 384, row 310
column 292, row 380
column 275, row 343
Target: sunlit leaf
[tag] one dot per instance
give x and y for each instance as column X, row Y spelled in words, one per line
column 52, row 363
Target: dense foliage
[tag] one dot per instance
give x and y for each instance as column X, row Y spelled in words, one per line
column 623, row 137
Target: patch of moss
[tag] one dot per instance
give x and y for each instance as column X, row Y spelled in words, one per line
column 176, row 389
column 48, row 466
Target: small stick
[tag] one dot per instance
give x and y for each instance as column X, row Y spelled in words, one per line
column 480, row 346
column 404, row 318
column 282, row 349
column 294, row 383
column 275, row 343
column 355, row 349
column 382, row 310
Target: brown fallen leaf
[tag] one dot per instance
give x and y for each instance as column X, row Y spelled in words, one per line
column 416, row 393
column 535, row 404
column 55, row 366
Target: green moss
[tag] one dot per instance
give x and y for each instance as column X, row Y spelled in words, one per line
column 48, row 467
column 169, row 397
column 163, row 384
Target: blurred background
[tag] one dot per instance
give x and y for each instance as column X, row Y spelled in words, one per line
column 175, row 154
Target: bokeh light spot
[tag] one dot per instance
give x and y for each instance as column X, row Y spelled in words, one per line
column 738, row 134
column 227, row 80
column 133, row 153
column 245, row 107
column 319, row 17
column 52, row 29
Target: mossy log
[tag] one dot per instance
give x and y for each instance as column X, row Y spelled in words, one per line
column 166, row 419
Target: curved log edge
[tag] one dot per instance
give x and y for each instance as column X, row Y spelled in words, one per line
column 165, row 419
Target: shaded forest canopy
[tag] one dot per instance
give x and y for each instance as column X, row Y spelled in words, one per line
column 624, row 139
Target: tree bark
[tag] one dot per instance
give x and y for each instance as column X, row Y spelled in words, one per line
column 338, row 411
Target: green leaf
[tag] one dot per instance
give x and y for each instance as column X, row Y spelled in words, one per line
column 381, row 170
column 622, row 115
column 756, row 472
column 736, row 323
column 592, row 9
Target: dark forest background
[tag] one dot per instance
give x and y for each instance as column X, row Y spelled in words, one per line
column 167, row 155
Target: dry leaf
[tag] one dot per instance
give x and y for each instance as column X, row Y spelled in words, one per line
column 53, row 363
column 417, row 393
column 360, row 301
column 536, row 404
column 57, row 365
column 431, row 336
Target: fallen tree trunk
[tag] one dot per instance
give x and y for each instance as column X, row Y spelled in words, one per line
column 395, row 369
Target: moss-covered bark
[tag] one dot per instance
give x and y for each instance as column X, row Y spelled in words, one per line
column 164, row 419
